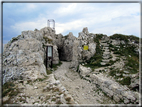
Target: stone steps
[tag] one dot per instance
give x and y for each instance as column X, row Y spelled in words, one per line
column 106, row 57
column 106, row 47
column 105, row 61
column 106, row 50
column 105, row 44
column 106, row 53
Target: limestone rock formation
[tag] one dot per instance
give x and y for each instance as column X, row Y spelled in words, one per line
column 79, row 54
column 24, row 55
column 26, row 52
column 110, row 67
column 111, row 88
column 84, row 71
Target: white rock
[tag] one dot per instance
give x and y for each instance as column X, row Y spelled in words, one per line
column 84, row 70
column 35, row 87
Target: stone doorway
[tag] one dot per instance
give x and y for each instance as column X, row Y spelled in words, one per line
column 61, row 54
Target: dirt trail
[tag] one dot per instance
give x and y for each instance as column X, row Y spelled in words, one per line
column 81, row 90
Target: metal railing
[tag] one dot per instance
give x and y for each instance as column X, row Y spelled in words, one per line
column 48, row 23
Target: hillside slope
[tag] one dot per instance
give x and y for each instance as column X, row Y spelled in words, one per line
column 108, row 69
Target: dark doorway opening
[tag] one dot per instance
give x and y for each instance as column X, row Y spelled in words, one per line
column 61, row 54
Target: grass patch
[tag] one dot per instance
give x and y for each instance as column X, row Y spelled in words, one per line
column 94, row 62
column 99, row 36
column 125, row 37
column 9, row 89
column 41, row 79
column 132, row 59
column 48, row 71
column 55, row 66
column 125, row 81
column 120, row 37
column 132, row 64
column 113, row 73
column 47, row 40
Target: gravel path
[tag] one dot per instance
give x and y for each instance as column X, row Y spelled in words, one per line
column 81, row 90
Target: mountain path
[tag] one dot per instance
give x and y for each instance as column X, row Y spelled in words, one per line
column 82, row 91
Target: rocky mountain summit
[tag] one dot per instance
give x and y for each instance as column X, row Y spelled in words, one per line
column 109, row 67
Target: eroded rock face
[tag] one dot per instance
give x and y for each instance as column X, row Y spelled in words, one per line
column 84, row 71
column 24, row 55
column 79, row 54
column 68, row 47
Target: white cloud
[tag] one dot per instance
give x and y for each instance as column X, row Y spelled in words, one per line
column 99, row 18
column 66, row 9
column 59, row 27
column 71, row 26
column 30, row 25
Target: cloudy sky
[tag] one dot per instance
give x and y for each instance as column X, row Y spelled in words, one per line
column 106, row 18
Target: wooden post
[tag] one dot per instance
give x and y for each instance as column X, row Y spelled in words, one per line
column 49, row 57
column 52, row 57
column 46, row 56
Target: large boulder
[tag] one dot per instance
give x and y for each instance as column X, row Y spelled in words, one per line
column 84, row 71
column 134, row 82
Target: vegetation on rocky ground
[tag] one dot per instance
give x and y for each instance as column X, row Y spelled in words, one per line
column 14, row 39
column 126, row 50
column 94, row 62
column 125, row 37
column 54, row 67
column 132, row 59
column 47, row 39
column 125, row 80
column 130, row 55
column 9, row 89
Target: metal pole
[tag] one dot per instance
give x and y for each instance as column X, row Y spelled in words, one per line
column 53, row 24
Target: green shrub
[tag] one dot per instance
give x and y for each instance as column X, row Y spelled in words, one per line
column 120, row 37
column 125, row 81
column 99, row 36
column 56, row 65
column 111, row 62
column 95, row 61
column 48, row 72
column 9, row 89
column 14, row 39
column 125, row 37
column 132, row 64
column 132, row 37
column 77, row 69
